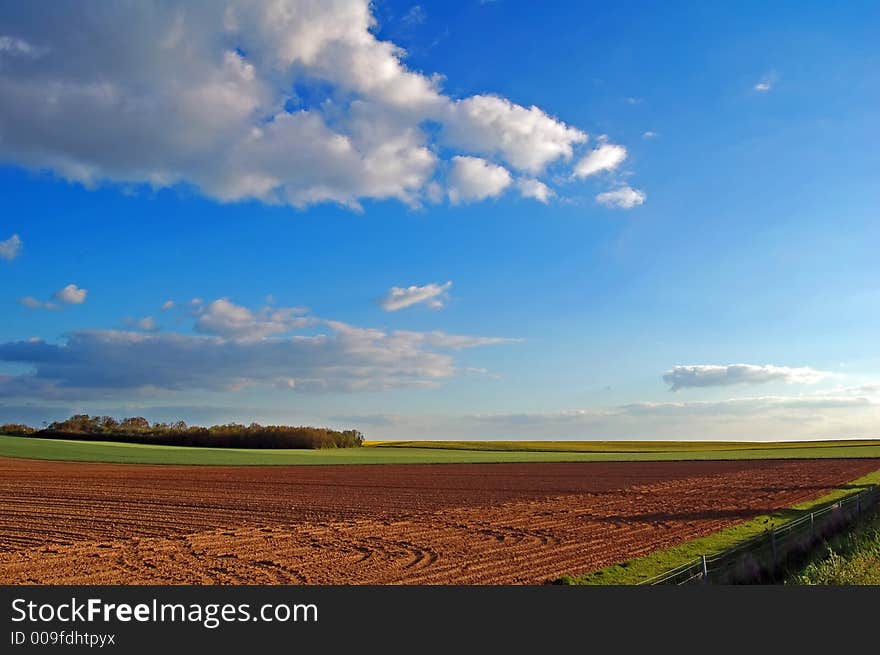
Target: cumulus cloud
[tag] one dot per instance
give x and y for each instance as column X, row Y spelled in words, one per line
column 103, row 363
column 710, row 375
column 473, row 178
column 433, row 295
column 168, row 305
column 226, row 319
column 204, row 94
column 527, row 139
column 649, row 135
column 11, row 248
column 623, row 198
column 71, row 294
column 535, row 189
column 606, row 157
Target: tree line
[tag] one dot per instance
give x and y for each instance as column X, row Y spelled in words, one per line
column 230, row 435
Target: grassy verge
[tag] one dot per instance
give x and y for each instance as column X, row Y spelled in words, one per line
column 116, row 452
column 852, row 558
column 640, row 569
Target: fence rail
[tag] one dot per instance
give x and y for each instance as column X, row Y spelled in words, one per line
column 761, row 557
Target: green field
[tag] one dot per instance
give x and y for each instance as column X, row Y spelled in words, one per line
column 434, row 452
column 617, row 447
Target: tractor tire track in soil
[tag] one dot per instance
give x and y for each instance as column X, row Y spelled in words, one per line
column 84, row 523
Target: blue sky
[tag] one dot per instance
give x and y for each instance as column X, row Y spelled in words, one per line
column 659, row 220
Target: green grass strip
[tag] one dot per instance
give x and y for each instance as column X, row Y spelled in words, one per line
column 128, row 453
column 852, row 558
column 638, row 570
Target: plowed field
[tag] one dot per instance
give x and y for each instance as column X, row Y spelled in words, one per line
column 82, row 523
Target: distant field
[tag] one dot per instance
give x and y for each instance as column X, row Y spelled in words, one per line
column 625, row 446
column 433, row 452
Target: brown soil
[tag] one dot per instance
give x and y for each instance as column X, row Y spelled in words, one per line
column 75, row 523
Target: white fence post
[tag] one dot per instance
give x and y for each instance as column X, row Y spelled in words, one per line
column 773, row 548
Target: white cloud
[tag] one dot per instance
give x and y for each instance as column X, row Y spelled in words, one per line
column 532, row 188
column 606, row 157
column 766, row 83
column 71, row 294
column 226, row 319
column 415, row 16
column 870, row 389
column 649, row 135
column 434, row 295
column 148, row 324
column 11, row 248
column 742, row 406
column 167, row 305
column 201, row 93
column 32, row 303
column 473, row 178
column 826, row 415
column 109, row 363
column 710, row 375
column 145, row 324
column 622, row 198
column 10, row 45
column 434, row 192
column 527, row 139
column 439, row 339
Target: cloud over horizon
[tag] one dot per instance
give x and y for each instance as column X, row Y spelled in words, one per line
column 840, row 413
column 237, row 348
column 711, row 375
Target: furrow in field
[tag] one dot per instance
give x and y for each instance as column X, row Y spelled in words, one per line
column 463, row 524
